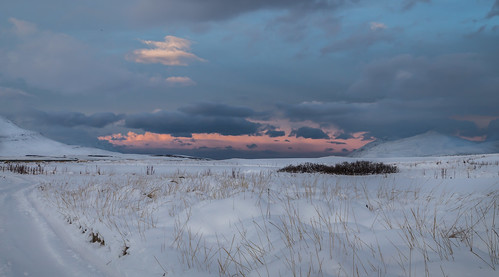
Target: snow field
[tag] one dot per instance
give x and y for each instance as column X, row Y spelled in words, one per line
column 437, row 217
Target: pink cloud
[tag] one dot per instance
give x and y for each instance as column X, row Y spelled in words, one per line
column 180, row 81
column 173, row 51
column 263, row 143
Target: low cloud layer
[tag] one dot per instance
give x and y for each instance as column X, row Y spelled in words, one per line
column 72, row 119
column 275, row 133
column 184, row 123
column 309, row 132
column 217, row 109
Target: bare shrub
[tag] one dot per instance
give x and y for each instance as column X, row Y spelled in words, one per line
column 345, row 168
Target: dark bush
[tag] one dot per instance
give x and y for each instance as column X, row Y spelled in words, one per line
column 345, row 168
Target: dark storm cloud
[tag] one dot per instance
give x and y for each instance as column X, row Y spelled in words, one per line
column 216, row 109
column 309, row 132
column 272, row 131
column 493, row 130
column 456, row 83
column 71, row 119
column 275, row 133
column 407, row 95
column 383, row 119
column 251, row 146
column 179, row 123
column 200, row 10
column 494, row 11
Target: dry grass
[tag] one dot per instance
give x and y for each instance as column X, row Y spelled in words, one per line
column 313, row 225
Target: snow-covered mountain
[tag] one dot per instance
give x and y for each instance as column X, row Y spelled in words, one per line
column 423, row 145
column 17, row 142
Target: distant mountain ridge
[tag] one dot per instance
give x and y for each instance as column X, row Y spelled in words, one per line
column 428, row 144
column 16, row 142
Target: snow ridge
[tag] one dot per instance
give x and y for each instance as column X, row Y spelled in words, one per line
column 15, row 142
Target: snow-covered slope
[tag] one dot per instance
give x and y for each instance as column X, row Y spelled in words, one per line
column 16, row 142
column 423, row 145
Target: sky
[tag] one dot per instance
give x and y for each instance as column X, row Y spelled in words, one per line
column 252, row 79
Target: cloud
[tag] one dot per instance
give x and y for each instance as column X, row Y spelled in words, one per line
column 156, row 11
column 252, row 146
column 407, row 95
column 13, row 92
column 275, row 133
column 172, row 51
column 377, row 26
column 459, row 79
column 320, row 111
column 72, row 119
column 217, row 109
column 409, row 4
column 362, row 38
column 180, row 81
column 309, row 132
column 21, row 27
column 271, row 131
column 493, row 130
column 208, row 145
column 183, row 124
column 14, row 100
column 494, row 11
column 344, row 136
column 58, row 62
column 387, row 118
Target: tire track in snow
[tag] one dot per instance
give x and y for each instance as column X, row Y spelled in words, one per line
column 30, row 245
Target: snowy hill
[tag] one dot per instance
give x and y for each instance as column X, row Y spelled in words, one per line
column 423, row 145
column 16, row 142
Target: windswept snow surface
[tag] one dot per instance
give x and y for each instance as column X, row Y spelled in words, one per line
column 179, row 217
column 18, row 142
column 424, row 145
